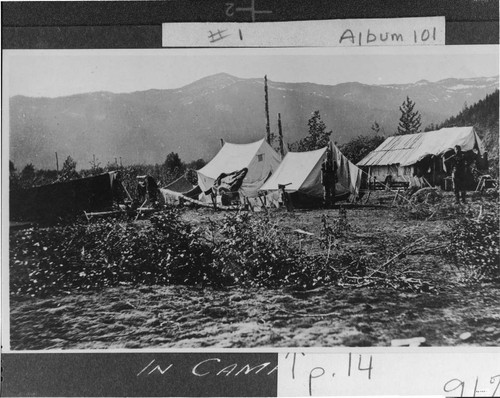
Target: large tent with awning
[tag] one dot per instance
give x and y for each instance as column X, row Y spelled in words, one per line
column 301, row 173
column 259, row 158
column 411, row 157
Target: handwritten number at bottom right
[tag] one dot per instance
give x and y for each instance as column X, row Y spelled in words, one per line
column 457, row 384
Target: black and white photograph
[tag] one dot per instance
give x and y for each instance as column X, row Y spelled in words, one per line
column 251, row 198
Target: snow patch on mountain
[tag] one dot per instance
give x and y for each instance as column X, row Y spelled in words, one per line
column 460, row 87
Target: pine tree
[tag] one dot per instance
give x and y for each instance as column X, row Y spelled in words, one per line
column 431, row 127
column 174, row 166
column 361, row 146
column 95, row 166
column 27, row 176
column 68, row 171
column 318, row 136
column 410, row 120
column 13, row 177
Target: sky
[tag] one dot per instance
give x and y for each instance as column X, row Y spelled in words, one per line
column 54, row 73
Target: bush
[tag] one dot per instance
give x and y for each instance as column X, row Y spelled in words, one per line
column 240, row 249
column 340, row 228
column 255, row 252
column 358, row 148
column 106, row 253
column 474, row 247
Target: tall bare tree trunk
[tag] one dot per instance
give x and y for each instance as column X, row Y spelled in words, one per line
column 280, row 132
column 268, row 127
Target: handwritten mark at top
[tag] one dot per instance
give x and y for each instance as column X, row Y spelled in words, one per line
column 230, row 10
column 213, row 37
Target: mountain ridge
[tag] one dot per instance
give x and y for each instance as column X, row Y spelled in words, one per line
column 144, row 126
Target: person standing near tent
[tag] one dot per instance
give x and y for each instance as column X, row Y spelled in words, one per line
column 458, row 174
column 328, row 179
column 141, row 189
column 482, row 162
column 147, row 189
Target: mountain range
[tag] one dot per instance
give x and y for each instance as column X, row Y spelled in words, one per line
column 144, row 126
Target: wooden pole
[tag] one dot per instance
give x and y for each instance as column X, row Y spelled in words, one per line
column 57, row 164
column 280, row 132
column 268, row 126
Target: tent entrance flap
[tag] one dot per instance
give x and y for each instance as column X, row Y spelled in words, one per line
column 259, row 158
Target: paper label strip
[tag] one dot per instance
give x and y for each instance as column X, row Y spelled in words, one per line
column 325, row 33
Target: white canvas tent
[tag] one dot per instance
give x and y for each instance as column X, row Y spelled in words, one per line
column 438, row 142
column 302, row 170
column 258, row 157
column 400, row 156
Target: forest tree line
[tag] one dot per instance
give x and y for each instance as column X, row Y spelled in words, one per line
column 164, row 173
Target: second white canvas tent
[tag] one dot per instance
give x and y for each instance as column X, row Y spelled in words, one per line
column 302, row 171
column 258, row 157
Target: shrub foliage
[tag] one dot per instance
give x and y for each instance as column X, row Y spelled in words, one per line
column 239, row 249
column 474, row 246
column 104, row 253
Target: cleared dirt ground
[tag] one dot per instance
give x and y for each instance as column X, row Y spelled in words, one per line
column 191, row 317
